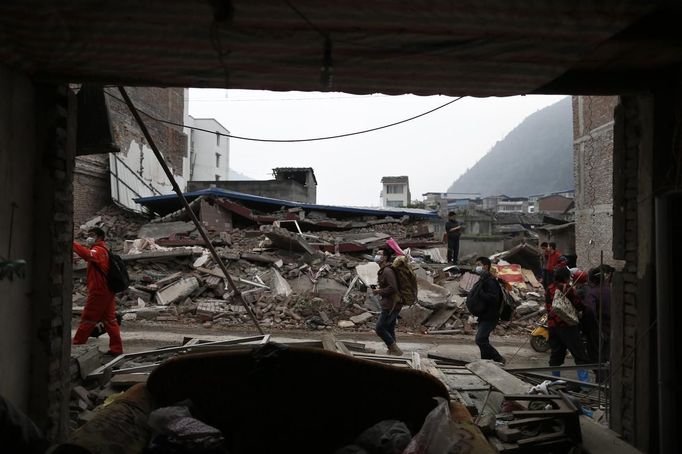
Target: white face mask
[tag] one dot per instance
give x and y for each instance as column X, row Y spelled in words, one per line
column 478, row 269
column 378, row 258
column 89, row 241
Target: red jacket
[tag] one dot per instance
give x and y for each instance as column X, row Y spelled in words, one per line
column 552, row 259
column 553, row 320
column 98, row 266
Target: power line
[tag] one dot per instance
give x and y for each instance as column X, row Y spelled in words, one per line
column 353, row 98
column 314, row 139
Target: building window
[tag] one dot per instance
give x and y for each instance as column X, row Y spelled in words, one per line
column 394, row 189
column 217, row 178
column 217, row 160
column 217, row 138
column 394, row 203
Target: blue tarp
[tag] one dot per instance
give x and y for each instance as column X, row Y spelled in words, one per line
column 165, row 204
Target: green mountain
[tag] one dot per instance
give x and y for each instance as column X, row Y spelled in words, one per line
column 536, row 157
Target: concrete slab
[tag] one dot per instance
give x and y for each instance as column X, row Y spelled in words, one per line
column 177, row 291
column 157, row 230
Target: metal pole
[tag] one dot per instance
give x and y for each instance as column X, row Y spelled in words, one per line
column 185, row 204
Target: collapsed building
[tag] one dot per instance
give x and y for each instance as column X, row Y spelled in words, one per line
column 545, row 49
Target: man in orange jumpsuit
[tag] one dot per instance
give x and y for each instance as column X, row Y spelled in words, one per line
column 100, row 305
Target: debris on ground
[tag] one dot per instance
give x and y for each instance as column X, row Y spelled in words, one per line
column 293, row 277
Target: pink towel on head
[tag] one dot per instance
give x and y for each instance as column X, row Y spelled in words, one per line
column 393, row 244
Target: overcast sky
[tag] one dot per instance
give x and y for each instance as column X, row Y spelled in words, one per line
column 432, row 150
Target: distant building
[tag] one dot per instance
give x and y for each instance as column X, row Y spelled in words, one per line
column 297, row 184
column 513, row 205
column 505, row 204
column 444, row 201
column 554, row 204
column 395, row 191
column 533, row 199
column 209, row 152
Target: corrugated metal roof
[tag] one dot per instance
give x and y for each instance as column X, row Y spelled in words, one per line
column 453, row 47
column 164, row 204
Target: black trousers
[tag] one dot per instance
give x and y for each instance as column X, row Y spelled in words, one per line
column 563, row 339
column 485, row 327
column 453, row 250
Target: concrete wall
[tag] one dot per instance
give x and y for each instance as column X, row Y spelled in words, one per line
column 285, row 190
column 137, row 166
column 17, row 161
column 37, row 148
column 485, row 246
column 204, row 147
column 593, row 172
column 91, row 187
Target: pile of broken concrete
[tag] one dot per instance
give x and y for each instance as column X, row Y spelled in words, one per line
column 290, row 279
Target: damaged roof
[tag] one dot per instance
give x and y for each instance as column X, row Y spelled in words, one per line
column 483, row 48
column 165, row 204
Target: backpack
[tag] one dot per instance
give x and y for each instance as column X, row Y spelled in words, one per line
column 407, row 281
column 507, row 305
column 474, row 302
column 117, row 277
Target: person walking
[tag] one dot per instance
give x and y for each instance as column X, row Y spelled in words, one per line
column 490, row 296
column 453, row 230
column 100, row 305
column 562, row 336
column 390, row 300
column 598, row 308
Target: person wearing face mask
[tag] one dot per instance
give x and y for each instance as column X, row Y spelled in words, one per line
column 490, row 294
column 100, row 305
column 390, row 297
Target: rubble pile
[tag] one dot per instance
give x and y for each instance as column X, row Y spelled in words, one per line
column 291, row 279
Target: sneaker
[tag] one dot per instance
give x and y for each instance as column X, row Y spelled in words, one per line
column 393, row 349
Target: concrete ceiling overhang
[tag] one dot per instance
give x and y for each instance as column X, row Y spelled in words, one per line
column 456, row 47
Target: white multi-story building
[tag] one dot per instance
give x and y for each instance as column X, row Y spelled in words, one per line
column 395, row 191
column 209, row 152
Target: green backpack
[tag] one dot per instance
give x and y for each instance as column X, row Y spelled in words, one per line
column 407, row 281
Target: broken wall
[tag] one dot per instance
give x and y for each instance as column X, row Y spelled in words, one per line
column 484, row 246
column 593, row 172
column 35, row 321
column 276, row 189
column 91, row 188
column 136, row 166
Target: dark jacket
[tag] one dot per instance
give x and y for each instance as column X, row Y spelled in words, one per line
column 491, row 293
column 455, row 234
column 592, row 300
column 388, row 288
column 552, row 319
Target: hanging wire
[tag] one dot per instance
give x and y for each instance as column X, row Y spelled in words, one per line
column 313, row 139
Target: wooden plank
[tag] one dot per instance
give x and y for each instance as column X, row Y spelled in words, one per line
column 329, row 342
column 416, row 361
column 598, row 439
column 341, row 347
column 124, row 381
column 429, row 366
column 101, row 371
column 500, row 379
column 447, row 359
